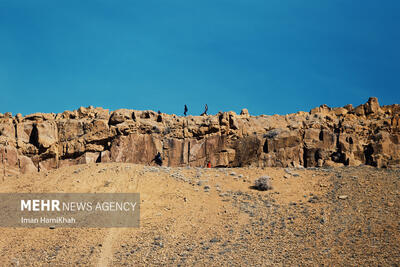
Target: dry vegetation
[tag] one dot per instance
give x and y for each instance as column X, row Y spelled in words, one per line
column 193, row 216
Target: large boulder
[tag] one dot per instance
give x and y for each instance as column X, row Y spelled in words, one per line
column 121, row 115
column 89, row 157
column 47, row 133
column 9, row 159
column 7, row 133
column 26, row 165
column 135, row 148
column 372, row 106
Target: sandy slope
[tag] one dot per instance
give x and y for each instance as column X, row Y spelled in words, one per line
column 300, row 221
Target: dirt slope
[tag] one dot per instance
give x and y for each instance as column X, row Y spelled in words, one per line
column 301, row 221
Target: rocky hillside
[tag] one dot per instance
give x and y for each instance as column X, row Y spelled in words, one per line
column 212, row 217
column 368, row 134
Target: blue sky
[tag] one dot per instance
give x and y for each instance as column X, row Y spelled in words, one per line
column 270, row 56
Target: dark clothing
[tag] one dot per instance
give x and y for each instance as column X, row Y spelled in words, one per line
column 205, row 111
column 158, row 159
column 185, row 110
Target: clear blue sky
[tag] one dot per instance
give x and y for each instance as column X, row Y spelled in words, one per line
column 271, row 56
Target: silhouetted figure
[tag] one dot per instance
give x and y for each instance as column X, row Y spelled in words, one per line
column 158, row 159
column 185, row 111
column 205, row 111
column 159, row 117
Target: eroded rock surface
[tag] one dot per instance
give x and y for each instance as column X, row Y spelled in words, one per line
column 367, row 134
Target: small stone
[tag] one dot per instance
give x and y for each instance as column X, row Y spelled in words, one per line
column 215, row 240
column 159, row 243
column 343, row 197
column 313, row 199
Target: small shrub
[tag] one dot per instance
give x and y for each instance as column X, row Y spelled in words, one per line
column 263, row 183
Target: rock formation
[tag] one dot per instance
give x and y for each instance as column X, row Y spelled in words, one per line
column 368, row 134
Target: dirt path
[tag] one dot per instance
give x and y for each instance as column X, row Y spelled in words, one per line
column 130, row 185
column 107, row 251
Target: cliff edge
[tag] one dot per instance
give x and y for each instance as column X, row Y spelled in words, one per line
column 368, row 134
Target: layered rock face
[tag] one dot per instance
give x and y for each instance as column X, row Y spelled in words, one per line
column 368, row 134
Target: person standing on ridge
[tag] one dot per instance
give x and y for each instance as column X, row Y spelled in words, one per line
column 159, row 117
column 185, row 110
column 205, row 111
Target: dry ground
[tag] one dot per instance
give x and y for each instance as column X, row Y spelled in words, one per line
column 340, row 216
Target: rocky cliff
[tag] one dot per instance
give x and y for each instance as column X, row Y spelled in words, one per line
column 368, row 134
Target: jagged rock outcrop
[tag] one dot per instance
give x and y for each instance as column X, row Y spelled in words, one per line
column 368, row 134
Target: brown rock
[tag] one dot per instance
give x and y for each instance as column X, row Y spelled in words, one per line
column 368, row 134
column 105, row 156
column 24, row 130
column 19, row 117
column 349, row 107
column 120, row 116
column 340, row 111
column 9, row 158
column 47, row 133
column 244, row 112
column 7, row 133
column 26, row 165
column 330, row 163
column 323, row 109
column 89, row 157
column 8, row 115
column 372, row 106
column 135, row 148
column 359, row 111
